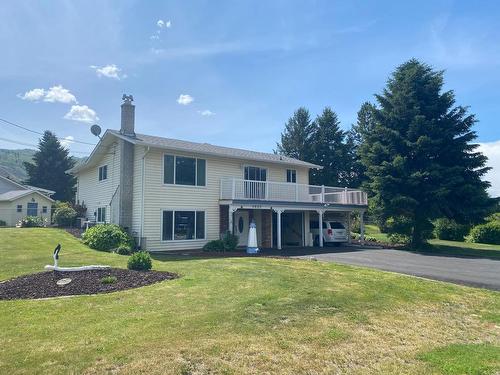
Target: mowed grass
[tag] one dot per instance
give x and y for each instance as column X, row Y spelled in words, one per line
column 243, row 315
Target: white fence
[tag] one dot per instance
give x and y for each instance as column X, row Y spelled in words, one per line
column 231, row 188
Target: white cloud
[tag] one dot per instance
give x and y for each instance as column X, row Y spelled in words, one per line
column 66, row 141
column 33, row 95
column 185, row 99
column 492, row 151
column 110, row 71
column 164, row 24
column 81, row 113
column 59, row 94
column 55, row 94
column 207, row 113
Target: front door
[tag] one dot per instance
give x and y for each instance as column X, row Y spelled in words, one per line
column 241, row 227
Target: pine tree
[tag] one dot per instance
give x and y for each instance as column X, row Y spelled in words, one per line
column 297, row 135
column 419, row 158
column 355, row 137
column 48, row 170
column 329, row 151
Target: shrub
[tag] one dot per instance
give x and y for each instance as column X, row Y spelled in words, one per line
column 140, row 261
column 109, row 280
column 3, row 223
column 355, row 236
column 64, row 215
column 396, row 238
column 215, row 245
column 230, row 241
column 370, row 239
column 486, row 233
column 31, row 222
column 446, row 229
column 123, row 249
column 105, row 237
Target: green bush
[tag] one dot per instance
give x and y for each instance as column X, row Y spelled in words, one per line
column 446, row 229
column 215, row 245
column 109, row 280
column 230, row 241
column 370, row 239
column 3, row 223
column 106, row 237
column 123, row 249
column 64, row 215
column 31, row 222
column 396, row 238
column 486, row 233
column 140, row 261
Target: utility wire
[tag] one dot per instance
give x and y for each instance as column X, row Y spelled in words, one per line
column 35, row 146
column 40, row 133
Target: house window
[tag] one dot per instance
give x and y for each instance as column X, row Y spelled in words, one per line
column 32, row 209
column 101, row 214
column 44, row 209
column 183, row 225
column 19, row 208
column 291, row 175
column 103, row 173
column 255, row 173
column 255, row 186
column 182, row 170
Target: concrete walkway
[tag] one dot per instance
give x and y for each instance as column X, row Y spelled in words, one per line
column 478, row 272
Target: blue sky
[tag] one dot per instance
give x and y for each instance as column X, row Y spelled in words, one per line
column 242, row 67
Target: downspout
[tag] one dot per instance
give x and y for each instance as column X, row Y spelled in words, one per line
column 142, row 195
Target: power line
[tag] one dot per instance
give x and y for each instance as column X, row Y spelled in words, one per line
column 40, row 133
column 35, row 146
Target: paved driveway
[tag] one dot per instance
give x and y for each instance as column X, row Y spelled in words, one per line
column 484, row 273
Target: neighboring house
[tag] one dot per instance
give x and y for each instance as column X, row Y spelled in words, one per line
column 174, row 195
column 18, row 201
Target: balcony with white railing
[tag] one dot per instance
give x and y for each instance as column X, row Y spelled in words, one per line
column 239, row 189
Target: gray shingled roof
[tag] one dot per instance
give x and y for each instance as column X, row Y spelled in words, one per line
column 209, row 149
column 13, row 194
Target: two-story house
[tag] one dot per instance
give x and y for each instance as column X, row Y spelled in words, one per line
column 173, row 195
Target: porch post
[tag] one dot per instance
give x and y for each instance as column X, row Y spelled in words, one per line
column 320, row 224
column 362, row 227
column 348, row 226
column 278, row 227
column 231, row 218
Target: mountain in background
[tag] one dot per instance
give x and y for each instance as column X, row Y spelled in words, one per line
column 11, row 162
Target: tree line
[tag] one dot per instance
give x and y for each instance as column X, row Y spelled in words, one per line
column 412, row 150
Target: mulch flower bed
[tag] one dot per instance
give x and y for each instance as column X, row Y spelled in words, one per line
column 43, row 284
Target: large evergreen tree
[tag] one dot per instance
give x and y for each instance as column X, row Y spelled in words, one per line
column 295, row 140
column 48, row 170
column 419, row 158
column 355, row 137
column 329, row 151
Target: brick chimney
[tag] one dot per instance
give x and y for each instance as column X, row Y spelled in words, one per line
column 126, row 162
column 128, row 116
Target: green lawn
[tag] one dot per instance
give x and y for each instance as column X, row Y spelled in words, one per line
column 244, row 315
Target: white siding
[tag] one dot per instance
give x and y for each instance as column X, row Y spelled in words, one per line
column 9, row 214
column 139, row 152
column 159, row 197
column 94, row 193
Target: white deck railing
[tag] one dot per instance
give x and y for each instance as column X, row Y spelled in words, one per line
column 232, row 188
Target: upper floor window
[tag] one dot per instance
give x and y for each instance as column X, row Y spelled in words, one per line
column 255, row 173
column 291, row 175
column 182, row 170
column 103, row 173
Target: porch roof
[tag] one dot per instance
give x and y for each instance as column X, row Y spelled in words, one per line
column 301, row 206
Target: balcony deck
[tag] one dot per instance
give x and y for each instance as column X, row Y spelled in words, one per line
column 248, row 190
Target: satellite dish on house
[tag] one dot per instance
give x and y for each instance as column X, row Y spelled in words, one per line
column 96, row 130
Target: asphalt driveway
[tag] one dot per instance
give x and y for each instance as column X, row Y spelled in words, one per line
column 478, row 272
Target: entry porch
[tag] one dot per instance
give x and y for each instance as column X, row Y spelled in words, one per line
column 281, row 224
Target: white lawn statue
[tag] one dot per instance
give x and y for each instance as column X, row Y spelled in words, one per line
column 56, row 267
column 252, row 239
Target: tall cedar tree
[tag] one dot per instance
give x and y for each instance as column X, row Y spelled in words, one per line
column 295, row 140
column 49, row 167
column 419, row 158
column 355, row 137
column 329, row 150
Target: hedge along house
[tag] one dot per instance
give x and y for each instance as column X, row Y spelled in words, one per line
column 175, row 195
column 18, row 201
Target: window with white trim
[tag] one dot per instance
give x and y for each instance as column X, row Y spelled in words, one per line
column 103, row 173
column 44, row 209
column 101, row 214
column 291, row 175
column 182, row 170
column 19, row 208
column 183, row 225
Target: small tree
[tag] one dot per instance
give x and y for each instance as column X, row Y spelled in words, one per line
column 49, row 167
column 295, row 140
